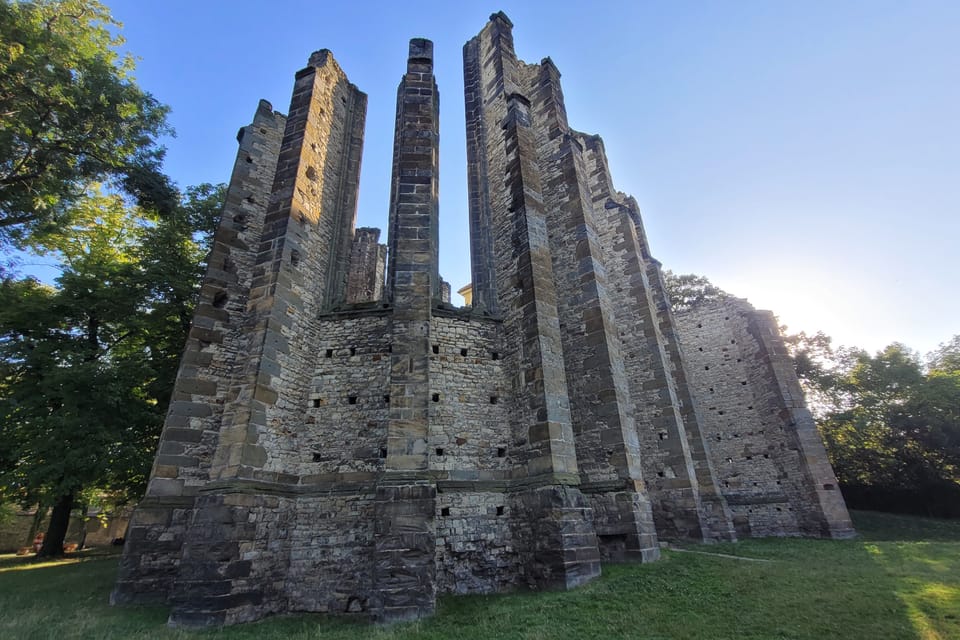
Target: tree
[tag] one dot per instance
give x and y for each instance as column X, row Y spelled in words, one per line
column 686, row 291
column 87, row 367
column 894, row 440
column 70, row 114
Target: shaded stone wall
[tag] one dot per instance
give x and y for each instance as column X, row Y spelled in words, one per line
column 513, row 276
column 205, row 382
column 670, row 439
column 773, row 474
column 367, row 266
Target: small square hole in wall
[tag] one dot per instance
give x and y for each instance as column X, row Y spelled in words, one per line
column 383, row 452
column 500, row 511
column 660, row 474
column 439, row 452
column 435, row 397
column 317, row 457
column 353, row 351
column 445, row 512
column 389, row 348
column 494, row 356
column 352, row 399
column 329, row 353
column 436, row 348
column 386, row 399
column 494, row 399
column 463, row 352
column 501, row 452
column 316, row 403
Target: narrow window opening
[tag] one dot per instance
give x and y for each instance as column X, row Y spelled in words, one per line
column 660, row 474
column 439, row 451
column 389, row 348
column 352, row 399
column 383, row 452
column 445, row 512
column 494, row 356
column 501, row 452
column 436, row 348
column 494, row 399
column 436, row 397
column 220, row 299
column 316, row 403
column 463, row 352
column 317, row 457
column 353, row 351
column 329, row 353
column 386, row 399
column 500, row 511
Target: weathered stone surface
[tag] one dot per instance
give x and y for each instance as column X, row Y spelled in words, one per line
column 343, row 440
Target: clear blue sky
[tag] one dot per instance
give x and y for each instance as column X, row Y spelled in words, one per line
column 803, row 155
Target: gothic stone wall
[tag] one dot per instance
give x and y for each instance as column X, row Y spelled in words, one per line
column 770, row 462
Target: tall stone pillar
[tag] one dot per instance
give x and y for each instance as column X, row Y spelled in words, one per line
column 233, row 562
column 513, row 273
column 404, row 554
column 214, row 353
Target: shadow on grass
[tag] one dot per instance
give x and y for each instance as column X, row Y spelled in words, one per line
column 869, row 589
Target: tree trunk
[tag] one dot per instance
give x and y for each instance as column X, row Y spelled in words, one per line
column 35, row 524
column 57, row 529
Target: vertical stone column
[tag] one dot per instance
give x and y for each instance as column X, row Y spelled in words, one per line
column 506, row 195
column 367, row 264
column 404, row 553
column 155, row 535
column 301, row 268
column 608, row 451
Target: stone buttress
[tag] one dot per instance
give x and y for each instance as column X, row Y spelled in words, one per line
column 771, row 463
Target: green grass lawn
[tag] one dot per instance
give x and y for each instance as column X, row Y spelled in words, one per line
column 900, row 579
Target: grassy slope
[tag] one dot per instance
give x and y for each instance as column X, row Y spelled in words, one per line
column 901, row 579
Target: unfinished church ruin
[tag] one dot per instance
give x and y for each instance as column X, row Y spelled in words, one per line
column 342, row 439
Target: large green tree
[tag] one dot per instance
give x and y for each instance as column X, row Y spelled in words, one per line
column 87, row 366
column 70, row 114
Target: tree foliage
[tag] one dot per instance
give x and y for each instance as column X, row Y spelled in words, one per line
column 891, row 426
column 87, row 366
column 687, row 291
column 70, row 114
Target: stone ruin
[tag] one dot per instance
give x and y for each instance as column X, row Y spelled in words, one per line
column 342, row 439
